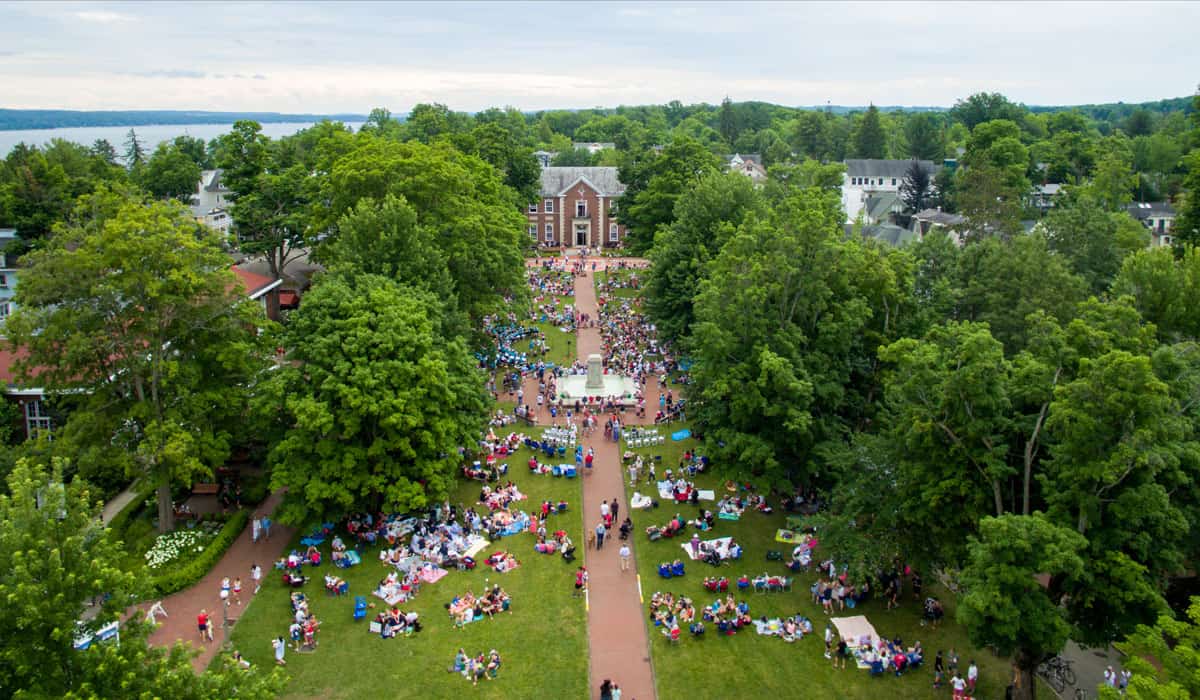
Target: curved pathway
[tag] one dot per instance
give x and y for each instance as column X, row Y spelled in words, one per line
column 619, row 647
column 183, row 607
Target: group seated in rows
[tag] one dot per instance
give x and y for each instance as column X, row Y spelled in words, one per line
column 395, row 622
column 468, row 608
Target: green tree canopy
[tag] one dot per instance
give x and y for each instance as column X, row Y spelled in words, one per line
column 170, row 173
column 654, row 184
column 869, row 138
column 378, row 401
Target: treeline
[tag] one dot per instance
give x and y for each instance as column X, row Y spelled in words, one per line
column 16, row 119
column 1015, row 411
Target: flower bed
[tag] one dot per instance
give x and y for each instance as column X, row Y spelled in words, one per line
column 171, row 546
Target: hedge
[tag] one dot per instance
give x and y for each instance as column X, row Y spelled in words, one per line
column 193, row 571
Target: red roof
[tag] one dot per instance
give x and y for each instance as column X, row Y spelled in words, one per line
column 254, row 284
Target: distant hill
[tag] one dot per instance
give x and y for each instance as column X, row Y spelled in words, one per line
column 14, row 119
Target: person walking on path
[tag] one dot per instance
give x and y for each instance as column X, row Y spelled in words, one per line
column 256, row 577
column 624, row 553
column 615, row 508
column 604, row 510
column 237, row 590
column 255, row 530
column 601, row 531
column 202, row 623
column 266, row 527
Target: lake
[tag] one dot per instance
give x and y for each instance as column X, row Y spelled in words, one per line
column 149, row 134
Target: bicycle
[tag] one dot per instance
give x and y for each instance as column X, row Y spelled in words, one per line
column 1058, row 673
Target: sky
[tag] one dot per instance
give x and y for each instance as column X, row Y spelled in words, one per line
column 345, row 57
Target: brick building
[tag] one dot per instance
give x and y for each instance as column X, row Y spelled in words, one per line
column 577, row 208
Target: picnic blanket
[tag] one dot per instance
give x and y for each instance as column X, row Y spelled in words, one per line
column 681, row 435
column 707, row 495
column 728, row 516
column 768, row 627
column 721, row 543
column 666, row 490
column 517, row 526
column 432, row 574
column 787, row 536
column 476, row 544
column 353, row 557
column 391, row 598
column 639, row 501
column 855, row 630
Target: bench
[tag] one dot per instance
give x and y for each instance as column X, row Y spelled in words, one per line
column 206, row 489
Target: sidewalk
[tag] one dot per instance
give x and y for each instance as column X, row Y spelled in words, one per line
column 617, row 639
column 183, row 607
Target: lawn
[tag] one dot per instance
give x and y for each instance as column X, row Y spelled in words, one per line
column 750, row 664
column 543, row 641
column 613, row 283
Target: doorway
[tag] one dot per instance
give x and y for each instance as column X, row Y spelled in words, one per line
column 581, row 234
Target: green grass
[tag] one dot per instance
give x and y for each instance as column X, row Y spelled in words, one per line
column 751, row 665
column 618, row 276
column 543, row 642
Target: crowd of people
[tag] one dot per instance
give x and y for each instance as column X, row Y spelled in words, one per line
column 475, row 667
column 467, row 608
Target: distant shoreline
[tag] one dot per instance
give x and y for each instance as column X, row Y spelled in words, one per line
column 49, row 119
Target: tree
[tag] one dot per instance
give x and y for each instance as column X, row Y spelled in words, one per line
column 1174, row 646
column 730, row 128
column 1187, row 225
column 135, row 153
column 1113, row 182
column 269, row 196
column 459, row 197
column 984, row 107
column 1004, row 604
column 705, row 217
column 1163, row 288
column 170, row 173
column 576, row 157
column 1139, row 123
column 379, row 399
column 1093, row 239
column 162, row 349
column 653, row 183
column 991, row 204
column 56, row 557
column 915, row 189
column 924, row 134
column 869, row 139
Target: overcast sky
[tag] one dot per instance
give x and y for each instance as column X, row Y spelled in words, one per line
column 346, row 57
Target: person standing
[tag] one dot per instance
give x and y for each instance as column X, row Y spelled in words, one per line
column 633, row 471
column 604, row 510
column 972, row 675
column 256, row 577
column 202, row 623
column 958, row 685
column 939, row 670
column 266, row 527
column 280, row 649
column 601, row 531
column 695, row 545
column 828, row 641
column 237, row 590
column 255, row 530
column 581, row 579
column 616, row 509
column 624, row 553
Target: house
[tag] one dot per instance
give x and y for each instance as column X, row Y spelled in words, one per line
column 593, row 147
column 1159, row 217
column 865, row 176
column 38, row 419
column 928, row 220
column 888, row 233
column 881, row 207
column 749, row 164
column 544, row 157
column 210, row 201
column 576, row 208
column 1043, row 195
column 8, row 272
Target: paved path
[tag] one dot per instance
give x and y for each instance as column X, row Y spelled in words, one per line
column 117, row 504
column 183, row 607
column 616, row 626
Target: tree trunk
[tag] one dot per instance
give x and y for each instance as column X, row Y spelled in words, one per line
column 166, row 509
column 1027, row 689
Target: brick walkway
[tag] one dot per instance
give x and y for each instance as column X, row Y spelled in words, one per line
column 183, row 607
column 617, row 638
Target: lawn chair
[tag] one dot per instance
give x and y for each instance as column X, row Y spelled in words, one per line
column 360, row 607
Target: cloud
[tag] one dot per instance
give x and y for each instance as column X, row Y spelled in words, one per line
column 259, row 76
column 104, row 17
column 173, row 74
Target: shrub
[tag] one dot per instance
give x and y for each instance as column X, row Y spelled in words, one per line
column 195, row 569
column 121, row 520
column 255, row 489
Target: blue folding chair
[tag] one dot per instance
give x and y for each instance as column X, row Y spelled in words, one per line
column 360, row 607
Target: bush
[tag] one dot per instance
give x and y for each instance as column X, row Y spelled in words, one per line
column 195, row 570
column 121, row 520
column 255, row 489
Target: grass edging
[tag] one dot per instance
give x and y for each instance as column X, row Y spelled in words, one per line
column 196, row 569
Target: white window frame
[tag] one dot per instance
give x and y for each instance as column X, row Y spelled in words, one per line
column 613, row 234
column 533, row 231
column 36, row 420
column 548, row 206
column 893, row 182
column 581, row 205
column 3, row 280
column 549, row 236
column 533, row 207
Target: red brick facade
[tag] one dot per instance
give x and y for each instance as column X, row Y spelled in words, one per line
column 579, row 216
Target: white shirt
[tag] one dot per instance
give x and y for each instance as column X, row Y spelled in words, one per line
column 958, row 683
column 972, row 672
column 828, row 634
column 604, row 508
column 624, row 550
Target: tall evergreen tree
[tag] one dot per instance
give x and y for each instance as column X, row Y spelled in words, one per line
column 135, row 153
column 869, row 140
column 729, row 122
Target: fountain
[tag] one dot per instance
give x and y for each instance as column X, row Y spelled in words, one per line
column 596, row 385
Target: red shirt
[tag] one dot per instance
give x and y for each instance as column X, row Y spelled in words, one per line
column 202, row 619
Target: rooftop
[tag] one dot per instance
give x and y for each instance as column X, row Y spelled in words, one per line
column 557, row 180
column 869, row 167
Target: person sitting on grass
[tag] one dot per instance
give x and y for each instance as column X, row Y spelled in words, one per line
column 493, row 665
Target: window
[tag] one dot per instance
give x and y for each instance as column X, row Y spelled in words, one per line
column 549, row 232
column 533, row 207
column 37, row 420
column 893, row 182
column 612, row 233
column 1166, row 240
column 549, row 206
column 580, row 209
column 5, row 309
column 533, row 231
column 3, row 281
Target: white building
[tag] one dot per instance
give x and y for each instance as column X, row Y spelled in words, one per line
column 748, row 164
column 865, row 177
column 210, row 202
column 1159, row 217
